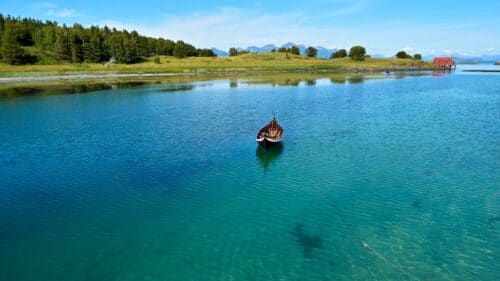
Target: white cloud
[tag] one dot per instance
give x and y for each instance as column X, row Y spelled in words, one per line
column 121, row 25
column 64, row 13
column 455, row 52
column 227, row 27
column 408, row 49
column 350, row 9
column 53, row 10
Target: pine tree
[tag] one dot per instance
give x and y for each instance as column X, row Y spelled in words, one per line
column 62, row 44
column 180, row 49
column 93, row 49
column 2, row 25
column 12, row 53
column 49, row 37
column 76, row 43
column 76, row 46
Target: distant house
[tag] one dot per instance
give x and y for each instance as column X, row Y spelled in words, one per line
column 445, row 62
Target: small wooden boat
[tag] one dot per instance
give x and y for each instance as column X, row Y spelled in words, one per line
column 270, row 134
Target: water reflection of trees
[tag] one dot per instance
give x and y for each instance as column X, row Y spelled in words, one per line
column 84, row 87
column 310, row 82
column 184, row 83
column 20, row 91
column 311, row 79
column 355, row 79
column 178, row 87
column 308, row 79
column 342, row 79
column 338, row 79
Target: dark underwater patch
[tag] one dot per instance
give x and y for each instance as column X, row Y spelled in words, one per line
column 307, row 241
column 417, row 203
column 494, row 219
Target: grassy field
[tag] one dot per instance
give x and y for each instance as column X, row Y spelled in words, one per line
column 266, row 62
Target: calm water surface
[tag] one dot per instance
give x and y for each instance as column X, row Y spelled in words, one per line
column 377, row 179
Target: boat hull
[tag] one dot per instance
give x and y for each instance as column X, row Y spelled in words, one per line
column 268, row 141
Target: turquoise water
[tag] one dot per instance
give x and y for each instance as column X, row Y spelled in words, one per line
column 377, row 179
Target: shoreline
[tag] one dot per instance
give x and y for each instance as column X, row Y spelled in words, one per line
column 480, row 70
column 237, row 65
column 97, row 76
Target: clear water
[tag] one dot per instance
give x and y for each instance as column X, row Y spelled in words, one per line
column 377, row 179
column 488, row 66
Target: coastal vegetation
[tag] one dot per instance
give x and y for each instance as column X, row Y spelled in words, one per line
column 342, row 53
column 265, row 62
column 28, row 41
column 357, row 53
column 405, row 55
column 293, row 50
column 312, row 52
column 30, row 47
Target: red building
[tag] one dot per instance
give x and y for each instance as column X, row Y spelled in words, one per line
column 444, row 62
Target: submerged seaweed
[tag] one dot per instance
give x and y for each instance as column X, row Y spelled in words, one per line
column 308, row 242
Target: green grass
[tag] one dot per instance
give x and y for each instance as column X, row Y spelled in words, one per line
column 243, row 63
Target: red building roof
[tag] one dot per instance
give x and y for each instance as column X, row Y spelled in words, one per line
column 443, row 61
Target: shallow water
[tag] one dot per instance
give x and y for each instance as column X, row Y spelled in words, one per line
column 377, row 179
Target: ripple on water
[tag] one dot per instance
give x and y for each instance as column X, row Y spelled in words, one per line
column 137, row 184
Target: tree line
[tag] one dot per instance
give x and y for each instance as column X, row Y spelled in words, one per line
column 405, row 55
column 359, row 53
column 27, row 40
column 356, row 53
column 310, row 51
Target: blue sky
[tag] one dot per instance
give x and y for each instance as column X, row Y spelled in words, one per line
column 383, row 26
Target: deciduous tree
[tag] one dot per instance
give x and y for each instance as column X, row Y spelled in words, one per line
column 233, row 52
column 402, row 55
column 357, row 53
column 311, row 52
column 295, row 50
column 342, row 53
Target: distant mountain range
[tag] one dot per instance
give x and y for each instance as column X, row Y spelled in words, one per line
column 326, row 53
column 322, row 51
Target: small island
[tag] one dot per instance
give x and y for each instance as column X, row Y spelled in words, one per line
column 32, row 50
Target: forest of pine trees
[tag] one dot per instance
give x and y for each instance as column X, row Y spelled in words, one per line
column 26, row 41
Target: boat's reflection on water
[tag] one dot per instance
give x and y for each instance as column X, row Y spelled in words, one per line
column 267, row 155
